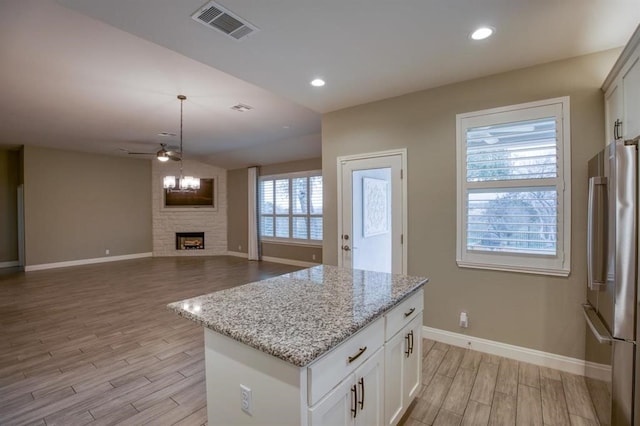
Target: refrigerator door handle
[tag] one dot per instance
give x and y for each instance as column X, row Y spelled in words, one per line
column 597, row 327
column 597, row 234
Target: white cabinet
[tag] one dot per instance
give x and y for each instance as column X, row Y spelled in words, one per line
column 631, row 97
column 358, row 400
column 369, row 379
column 403, row 361
column 622, row 94
column 332, row 368
column 335, row 408
column 613, row 113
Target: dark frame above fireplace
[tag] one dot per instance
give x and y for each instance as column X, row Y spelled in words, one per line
column 203, row 198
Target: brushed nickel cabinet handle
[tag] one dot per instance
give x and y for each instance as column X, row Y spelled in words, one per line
column 356, row 356
column 412, row 310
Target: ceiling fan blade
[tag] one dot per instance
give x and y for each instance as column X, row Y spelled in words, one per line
column 175, row 156
column 141, row 153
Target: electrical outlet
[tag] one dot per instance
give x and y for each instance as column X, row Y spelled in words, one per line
column 464, row 320
column 107, row 252
column 313, row 257
column 239, row 247
column 245, row 400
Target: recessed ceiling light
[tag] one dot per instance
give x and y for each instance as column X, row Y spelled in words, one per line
column 166, row 134
column 318, row 82
column 482, row 33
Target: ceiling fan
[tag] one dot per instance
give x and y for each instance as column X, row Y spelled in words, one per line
column 163, row 154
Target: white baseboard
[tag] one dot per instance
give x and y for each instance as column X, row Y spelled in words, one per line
column 519, row 353
column 42, row 266
column 10, row 264
column 237, row 254
column 276, row 259
column 289, row 261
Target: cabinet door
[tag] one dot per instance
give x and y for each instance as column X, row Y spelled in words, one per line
column 403, row 370
column 335, row 409
column 613, row 112
column 412, row 373
column 370, row 391
column 631, row 96
column 394, row 354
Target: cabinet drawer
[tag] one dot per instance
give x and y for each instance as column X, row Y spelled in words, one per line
column 325, row 373
column 402, row 314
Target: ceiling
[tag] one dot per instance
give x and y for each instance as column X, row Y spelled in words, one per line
column 96, row 76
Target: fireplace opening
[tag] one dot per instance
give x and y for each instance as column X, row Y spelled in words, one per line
column 189, row 240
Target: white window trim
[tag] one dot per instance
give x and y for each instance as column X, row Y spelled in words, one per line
column 291, row 241
column 558, row 265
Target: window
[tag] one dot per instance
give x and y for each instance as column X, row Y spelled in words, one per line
column 514, row 188
column 291, row 207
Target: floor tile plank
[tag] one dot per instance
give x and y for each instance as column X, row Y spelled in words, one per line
column 458, row 396
column 476, row 414
column 485, row 383
column 503, row 410
column 529, row 406
column 577, row 396
column 554, row 405
column 507, row 381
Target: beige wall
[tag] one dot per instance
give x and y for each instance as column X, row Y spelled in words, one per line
column 237, row 223
column 534, row 311
column 9, row 180
column 238, row 218
column 78, row 205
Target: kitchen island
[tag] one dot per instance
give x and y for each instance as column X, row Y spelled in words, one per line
column 323, row 345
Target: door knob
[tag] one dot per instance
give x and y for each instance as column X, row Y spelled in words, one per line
column 346, row 248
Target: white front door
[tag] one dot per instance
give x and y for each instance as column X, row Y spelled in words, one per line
column 372, row 219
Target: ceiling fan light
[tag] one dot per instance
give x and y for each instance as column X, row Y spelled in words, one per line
column 163, row 157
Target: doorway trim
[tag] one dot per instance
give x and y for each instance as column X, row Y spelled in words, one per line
column 403, row 183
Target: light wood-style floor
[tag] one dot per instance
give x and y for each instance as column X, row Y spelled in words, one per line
column 96, row 345
column 465, row 387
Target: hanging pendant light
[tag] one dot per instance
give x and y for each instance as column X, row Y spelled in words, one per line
column 183, row 183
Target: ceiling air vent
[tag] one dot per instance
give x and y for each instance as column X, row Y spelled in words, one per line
column 215, row 16
column 242, row 107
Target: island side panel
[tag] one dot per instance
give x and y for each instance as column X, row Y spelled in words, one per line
column 279, row 389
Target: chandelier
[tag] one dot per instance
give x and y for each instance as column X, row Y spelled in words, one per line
column 183, row 183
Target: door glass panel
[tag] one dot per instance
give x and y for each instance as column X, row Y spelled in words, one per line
column 371, row 216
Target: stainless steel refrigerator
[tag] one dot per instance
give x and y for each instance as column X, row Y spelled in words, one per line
column 612, row 275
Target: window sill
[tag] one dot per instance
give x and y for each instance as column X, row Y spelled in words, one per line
column 314, row 244
column 520, row 269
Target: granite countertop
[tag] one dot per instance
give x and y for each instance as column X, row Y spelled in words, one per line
column 301, row 315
